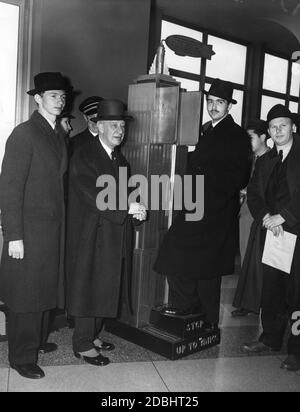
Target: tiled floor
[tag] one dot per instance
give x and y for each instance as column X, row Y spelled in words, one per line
column 223, row 368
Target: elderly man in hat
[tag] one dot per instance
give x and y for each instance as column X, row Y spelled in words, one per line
column 195, row 255
column 274, row 202
column 99, row 239
column 88, row 108
column 32, row 207
column 258, row 132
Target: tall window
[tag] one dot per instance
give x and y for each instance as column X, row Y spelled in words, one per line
column 9, row 40
column 15, row 18
column 281, row 84
column 229, row 63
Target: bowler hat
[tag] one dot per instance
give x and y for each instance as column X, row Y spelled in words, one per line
column 222, row 89
column 110, row 109
column 49, row 81
column 89, row 105
column 279, row 110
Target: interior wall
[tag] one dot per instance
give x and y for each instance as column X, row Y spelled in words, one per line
column 101, row 45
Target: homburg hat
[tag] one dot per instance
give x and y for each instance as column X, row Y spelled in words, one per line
column 111, row 109
column 222, row 89
column 49, row 81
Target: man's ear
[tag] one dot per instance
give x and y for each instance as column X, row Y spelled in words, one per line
column 37, row 98
column 294, row 128
column 100, row 127
column 229, row 107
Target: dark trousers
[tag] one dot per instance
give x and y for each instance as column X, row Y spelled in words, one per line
column 26, row 333
column 275, row 313
column 186, row 293
column 85, row 332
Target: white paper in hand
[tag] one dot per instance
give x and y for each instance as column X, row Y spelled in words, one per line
column 279, row 251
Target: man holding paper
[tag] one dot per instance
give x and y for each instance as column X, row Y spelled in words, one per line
column 274, row 200
column 99, row 239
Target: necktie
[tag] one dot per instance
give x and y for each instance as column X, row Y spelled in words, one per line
column 280, row 156
column 115, row 160
column 56, row 129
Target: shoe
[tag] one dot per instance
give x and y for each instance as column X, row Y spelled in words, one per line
column 238, row 313
column 258, row 347
column 172, row 311
column 30, row 371
column 292, row 363
column 210, row 327
column 101, row 345
column 47, row 348
column 96, row 361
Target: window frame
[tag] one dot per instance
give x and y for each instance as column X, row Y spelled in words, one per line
column 24, row 57
column 202, row 78
column 287, row 97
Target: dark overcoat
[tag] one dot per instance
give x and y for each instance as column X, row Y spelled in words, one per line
column 290, row 212
column 81, row 138
column 97, row 241
column 206, row 249
column 32, row 209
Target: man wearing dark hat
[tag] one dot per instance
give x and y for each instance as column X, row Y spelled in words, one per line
column 274, row 202
column 258, row 132
column 99, row 239
column 88, row 107
column 65, row 122
column 195, row 255
column 32, row 207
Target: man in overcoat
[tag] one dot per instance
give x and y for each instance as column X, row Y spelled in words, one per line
column 274, row 202
column 88, row 108
column 99, row 241
column 33, row 213
column 195, row 255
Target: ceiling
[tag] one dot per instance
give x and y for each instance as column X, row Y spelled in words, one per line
column 270, row 22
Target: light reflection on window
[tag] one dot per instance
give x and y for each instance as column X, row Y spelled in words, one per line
column 295, row 86
column 189, row 85
column 294, row 107
column 229, row 62
column 275, row 74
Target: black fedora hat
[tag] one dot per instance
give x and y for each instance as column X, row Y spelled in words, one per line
column 49, row 81
column 111, row 109
column 222, row 89
column 279, row 110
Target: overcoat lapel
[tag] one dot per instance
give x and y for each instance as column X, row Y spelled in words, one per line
column 293, row 165
column 48, row 135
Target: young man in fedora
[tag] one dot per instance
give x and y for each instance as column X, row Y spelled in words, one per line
column 88, row 108
column 99, row 242
column 32, row 208
column 258, row 132
column 195, row 255
column 274, row 202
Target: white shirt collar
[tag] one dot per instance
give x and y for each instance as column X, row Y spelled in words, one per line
column 106, row 148
column 93, row 133
column 215, row 124
column 49, row 121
